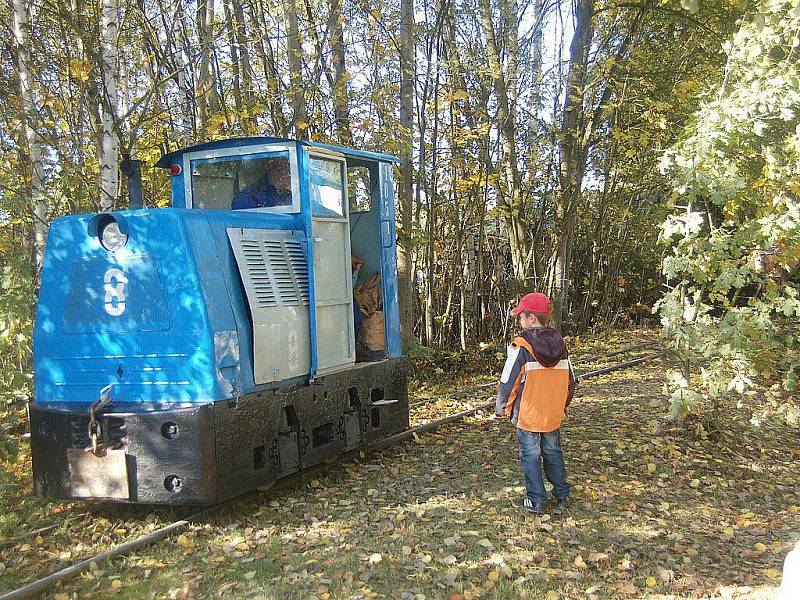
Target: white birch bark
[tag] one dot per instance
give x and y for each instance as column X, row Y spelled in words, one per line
column 38, row 198
column 109, row 104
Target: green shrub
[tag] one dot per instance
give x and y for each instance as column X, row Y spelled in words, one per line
column 16, row 310
column 732, row 312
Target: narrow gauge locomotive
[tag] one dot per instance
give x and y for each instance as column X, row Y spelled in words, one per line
column 184, row 355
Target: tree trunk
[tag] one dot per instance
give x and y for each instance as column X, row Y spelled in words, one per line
column 206, row 94
column 341, row 98
column 295, row 49
column 246, row 67
column 573, row 150
column 109, row 104
column 234, row 50
column 469, row 275
column 406, row 191
column 187, row 117
column 30, row 118
column 274, row 93
column 505, row 93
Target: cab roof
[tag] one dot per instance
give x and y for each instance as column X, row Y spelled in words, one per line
column 170, row 158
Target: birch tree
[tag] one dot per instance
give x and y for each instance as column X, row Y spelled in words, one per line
column 30, row 120
column 108, row 150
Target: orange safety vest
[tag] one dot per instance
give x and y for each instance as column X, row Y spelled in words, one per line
column 544, row 393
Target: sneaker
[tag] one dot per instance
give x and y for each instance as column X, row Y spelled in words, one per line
column 535, row 508
column 562, row 504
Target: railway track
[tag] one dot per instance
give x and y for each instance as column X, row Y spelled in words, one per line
column 579, row 361
column 43, row 584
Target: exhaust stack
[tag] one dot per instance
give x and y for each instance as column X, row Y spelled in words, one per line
column 133, row 170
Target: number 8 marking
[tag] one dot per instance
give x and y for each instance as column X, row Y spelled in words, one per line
column 114, row 285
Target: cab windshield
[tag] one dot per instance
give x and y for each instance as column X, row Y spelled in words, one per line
column 258, row 181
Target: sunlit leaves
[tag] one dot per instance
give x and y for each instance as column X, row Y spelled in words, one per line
column 735, row 240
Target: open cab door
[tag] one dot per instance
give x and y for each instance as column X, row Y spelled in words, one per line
column 332, row 333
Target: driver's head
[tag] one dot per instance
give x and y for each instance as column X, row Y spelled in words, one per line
column 277, row 171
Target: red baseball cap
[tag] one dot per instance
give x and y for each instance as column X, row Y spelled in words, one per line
column 533, row 303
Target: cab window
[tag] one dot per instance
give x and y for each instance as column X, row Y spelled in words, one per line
column 258, row 181
column 327, row 187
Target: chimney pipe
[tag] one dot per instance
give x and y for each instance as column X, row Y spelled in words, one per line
column 133, row 169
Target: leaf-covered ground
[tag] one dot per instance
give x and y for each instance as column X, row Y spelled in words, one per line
column 658, row 512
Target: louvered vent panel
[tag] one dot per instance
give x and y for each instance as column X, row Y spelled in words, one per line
column 276, row 269
column 273, row 267
column 297, row 260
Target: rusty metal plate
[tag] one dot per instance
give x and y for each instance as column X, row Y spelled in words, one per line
column 93, row 476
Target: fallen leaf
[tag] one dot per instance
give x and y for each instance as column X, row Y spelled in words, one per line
column 597, row 556
column 665, row 575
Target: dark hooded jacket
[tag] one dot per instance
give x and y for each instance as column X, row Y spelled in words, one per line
column 538, row 382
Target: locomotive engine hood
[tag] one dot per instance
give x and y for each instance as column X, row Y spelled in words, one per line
column 138, row 317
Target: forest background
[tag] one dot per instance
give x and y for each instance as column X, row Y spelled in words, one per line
column 612, row 154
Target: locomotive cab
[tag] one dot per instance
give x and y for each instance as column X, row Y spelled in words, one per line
column 187, row 354
column 326, row 203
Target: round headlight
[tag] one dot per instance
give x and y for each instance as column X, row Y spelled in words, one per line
column 111, row 237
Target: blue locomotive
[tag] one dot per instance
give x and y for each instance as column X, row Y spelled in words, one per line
column 188, row 354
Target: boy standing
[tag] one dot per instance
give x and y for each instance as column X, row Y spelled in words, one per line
column 536, row 388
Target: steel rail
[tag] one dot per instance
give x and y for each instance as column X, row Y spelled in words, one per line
column 579, row 377
column 583, row 359
column 434, row 424
column 41, row 585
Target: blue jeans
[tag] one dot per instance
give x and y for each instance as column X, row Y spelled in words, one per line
column 534, row 445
